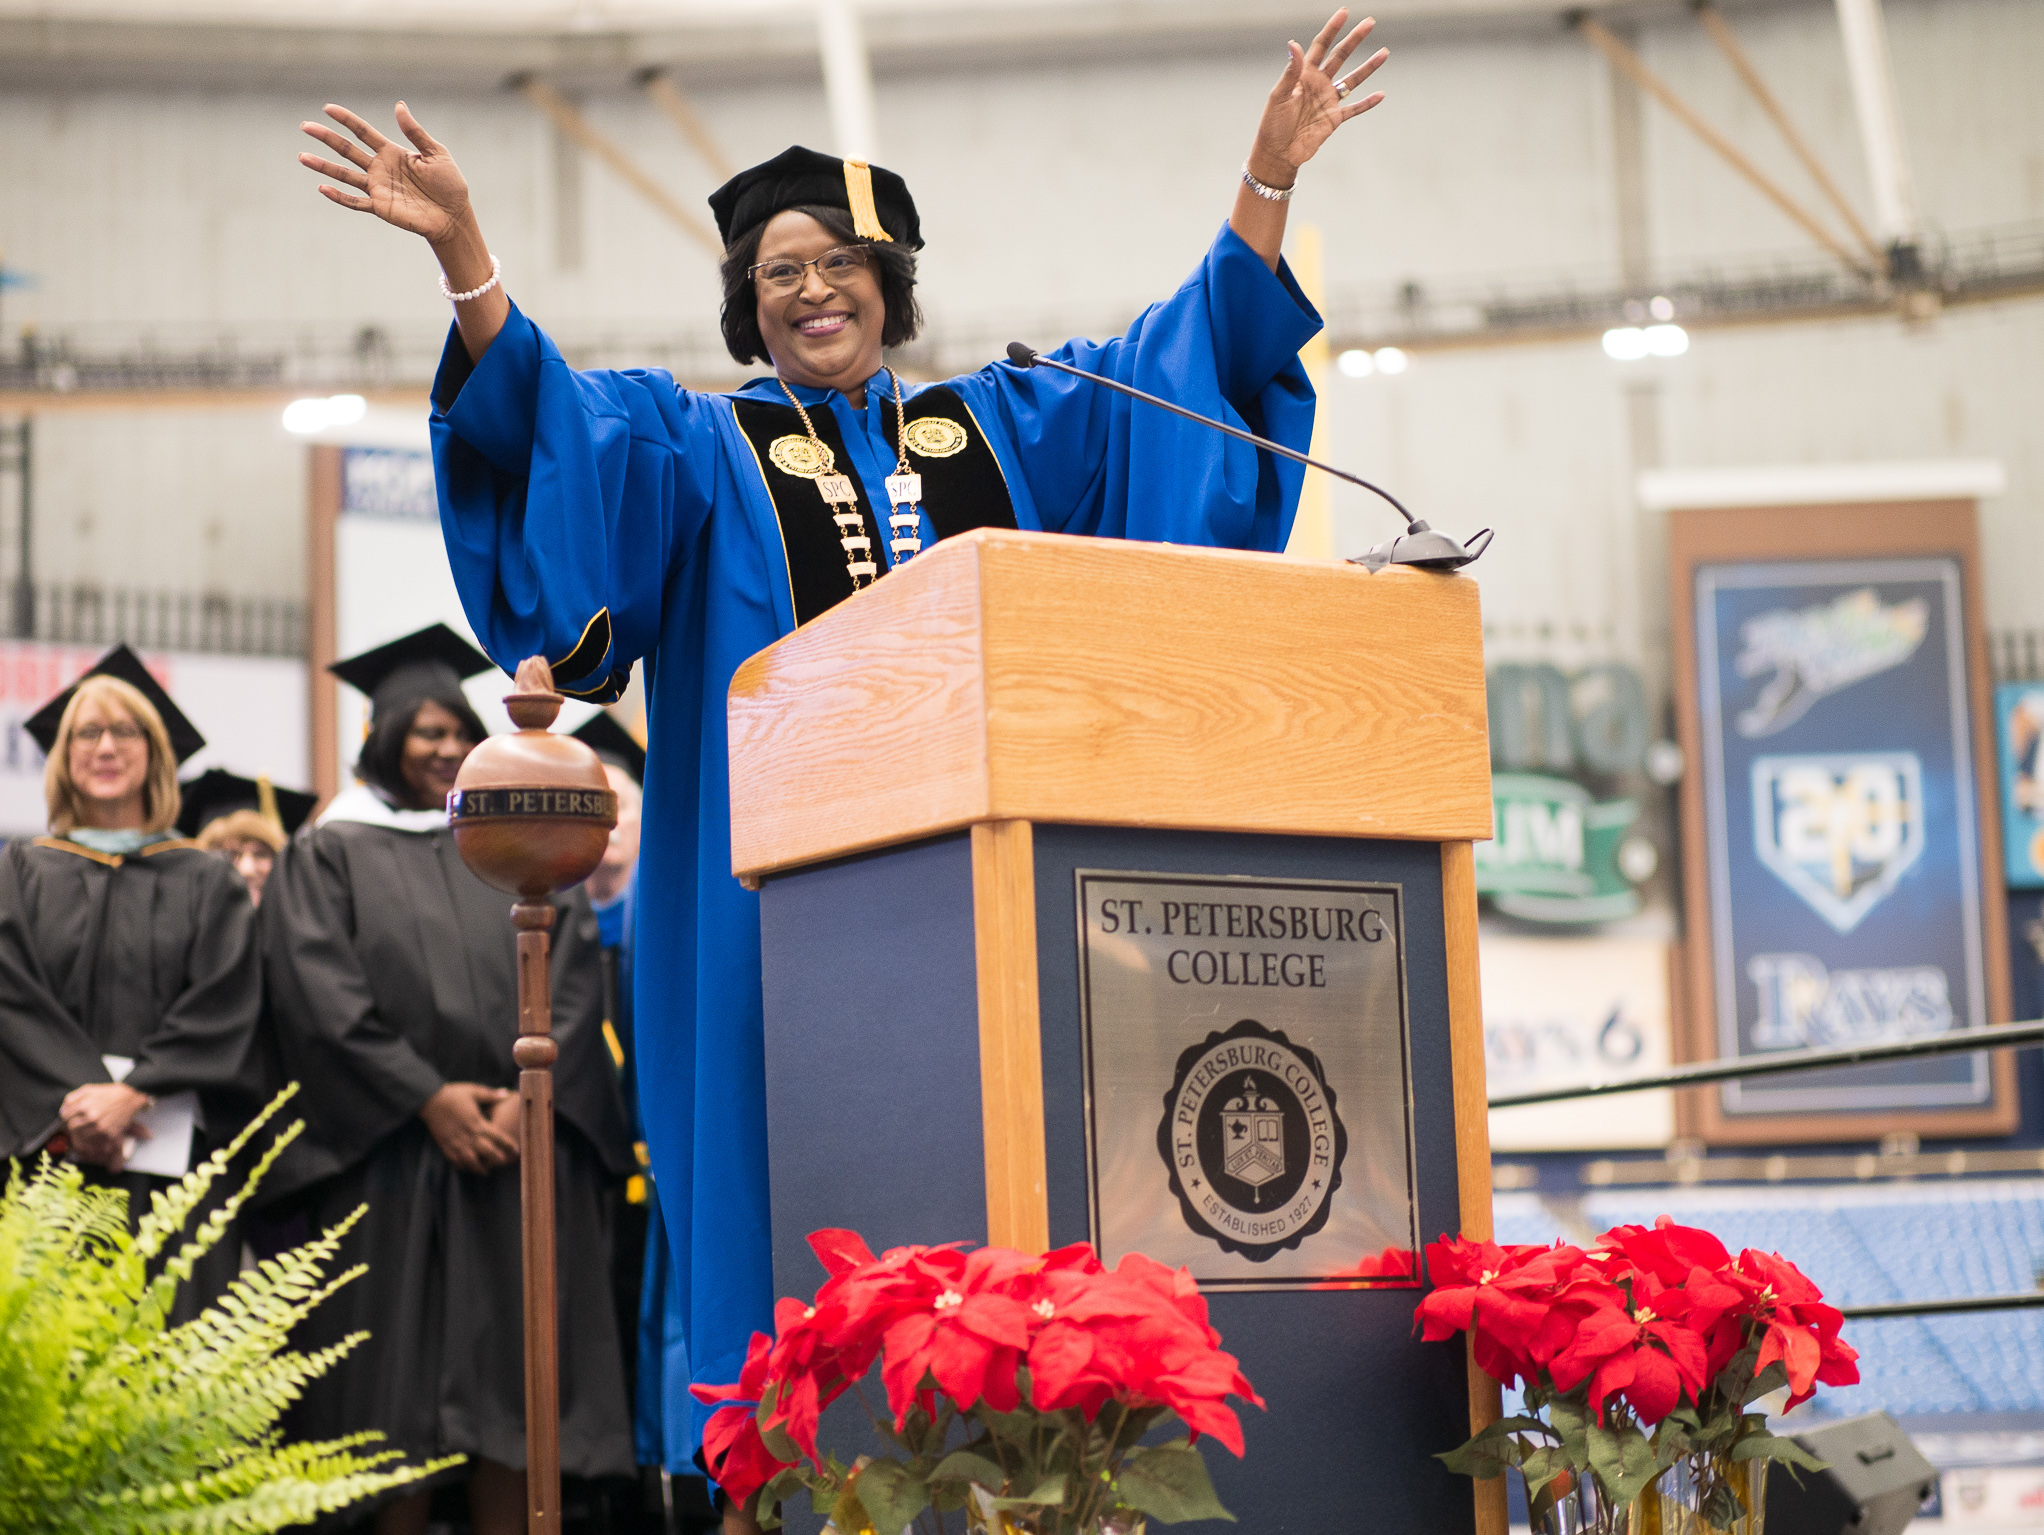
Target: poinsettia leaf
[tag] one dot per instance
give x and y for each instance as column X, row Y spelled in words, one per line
column 1169, row 1482
column 1623, row 1461
column 891, row 1497
column 1569, row 1422
column 1138, row 1424
column 1543, row 1465
column 1490, row 1452
column 847, row 1512
column 1721, row 1508
column 1773, row 1378
column 1765, row 1446
column 780, row 1442
column 1051, row 1491
column 967, row 1466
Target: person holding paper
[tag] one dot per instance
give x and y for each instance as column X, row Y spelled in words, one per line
column 130, row 985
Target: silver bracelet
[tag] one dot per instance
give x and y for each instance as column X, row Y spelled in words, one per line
column 496, row 271
column 1267, row 192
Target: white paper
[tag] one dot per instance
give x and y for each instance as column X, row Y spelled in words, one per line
column 170, row 1122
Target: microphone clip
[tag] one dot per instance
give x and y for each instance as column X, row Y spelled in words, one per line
column 1424, row 547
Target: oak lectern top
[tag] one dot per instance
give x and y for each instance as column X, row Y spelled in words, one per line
column 1009, row 676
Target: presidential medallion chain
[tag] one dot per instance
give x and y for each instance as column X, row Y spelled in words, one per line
column 904, row 496
column 904, row 489
column 843, row 501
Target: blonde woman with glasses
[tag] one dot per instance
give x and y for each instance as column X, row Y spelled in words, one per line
column 129, row 979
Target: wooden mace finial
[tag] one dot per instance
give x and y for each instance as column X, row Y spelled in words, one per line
column 537, row 703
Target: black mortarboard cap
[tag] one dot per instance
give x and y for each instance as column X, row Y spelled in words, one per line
column 427, row 661
column 217, row 792
column 877, row 200
column 123, row 663
column 603, row 735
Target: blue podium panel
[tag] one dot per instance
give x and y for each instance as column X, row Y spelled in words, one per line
column 874, row 1118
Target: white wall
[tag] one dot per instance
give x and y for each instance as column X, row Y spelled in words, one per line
column 1064, row 197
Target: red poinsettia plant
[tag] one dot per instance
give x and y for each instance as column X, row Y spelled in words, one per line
column 1639, row 1360
column 1016, row 1384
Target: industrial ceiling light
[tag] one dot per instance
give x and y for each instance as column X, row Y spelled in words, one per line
column 1355, row 363
column 317, row 413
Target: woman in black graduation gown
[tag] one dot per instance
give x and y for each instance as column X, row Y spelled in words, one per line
column 129, row 977
column 393, row 986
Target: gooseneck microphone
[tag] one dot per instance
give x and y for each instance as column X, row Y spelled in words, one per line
column 1024, row 357
column 1419, row 545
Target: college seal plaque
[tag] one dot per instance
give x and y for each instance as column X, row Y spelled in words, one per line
column 1252, row 1140
column 1248, row 1098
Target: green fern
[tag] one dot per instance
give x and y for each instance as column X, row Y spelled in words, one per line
column 113, row 1424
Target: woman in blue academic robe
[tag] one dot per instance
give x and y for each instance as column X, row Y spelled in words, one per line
column 599, row 517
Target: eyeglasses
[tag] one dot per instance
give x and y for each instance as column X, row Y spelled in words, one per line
column 126, row 733
column 783, row 274
column 434, row 735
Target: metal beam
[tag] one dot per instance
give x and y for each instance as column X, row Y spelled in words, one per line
column 847, row 79
column 1949, row 1306
column 577, row 127
column 668, row 98
column 1880, row 125
column 1721, row 33
column 1633, row 65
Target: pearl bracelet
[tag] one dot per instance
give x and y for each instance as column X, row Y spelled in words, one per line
column 1263, row 189
column 496, row 271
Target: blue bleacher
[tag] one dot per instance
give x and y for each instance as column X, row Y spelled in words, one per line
column 1869, row 1243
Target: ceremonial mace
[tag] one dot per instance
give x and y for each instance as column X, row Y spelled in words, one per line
column 532, row 813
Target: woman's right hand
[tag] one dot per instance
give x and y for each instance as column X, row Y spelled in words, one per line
column 459, row 1117
column 419, row 189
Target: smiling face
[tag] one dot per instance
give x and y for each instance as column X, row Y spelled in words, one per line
column 109, row 763
column 434, row 749
column 825, row 335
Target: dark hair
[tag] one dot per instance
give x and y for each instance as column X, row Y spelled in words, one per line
column 895, row 262
column 381, row 764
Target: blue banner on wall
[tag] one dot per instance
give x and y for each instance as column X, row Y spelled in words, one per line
column 388, row 482
column 2019, row 735
column 1842, row 825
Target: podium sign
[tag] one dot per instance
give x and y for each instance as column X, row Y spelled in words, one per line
column 1248, row 1088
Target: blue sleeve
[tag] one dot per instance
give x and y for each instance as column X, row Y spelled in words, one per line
column 567, row 501
column 1226, row 344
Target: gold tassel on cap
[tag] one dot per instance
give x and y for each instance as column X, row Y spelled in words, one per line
column 266, row 803
column 859, row 190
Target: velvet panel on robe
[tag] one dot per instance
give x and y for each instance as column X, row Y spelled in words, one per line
column 150, row 956
column 614, row 512
column 392, row 970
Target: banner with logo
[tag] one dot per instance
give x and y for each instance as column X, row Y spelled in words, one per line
column 1566, row 1012
column 2019, row 736
column 1842, row 826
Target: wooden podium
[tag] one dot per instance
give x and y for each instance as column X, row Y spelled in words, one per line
column 1123, row 893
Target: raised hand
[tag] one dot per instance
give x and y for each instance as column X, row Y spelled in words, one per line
column 420, row 189
column 1313, row 98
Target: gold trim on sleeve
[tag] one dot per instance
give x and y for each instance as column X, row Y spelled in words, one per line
column 595, row 639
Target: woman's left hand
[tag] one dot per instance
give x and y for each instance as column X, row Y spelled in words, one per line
column 99, row 1117
column 1313, row 98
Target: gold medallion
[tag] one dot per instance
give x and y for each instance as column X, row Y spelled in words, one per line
column 801, row 457
column 935, row 437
